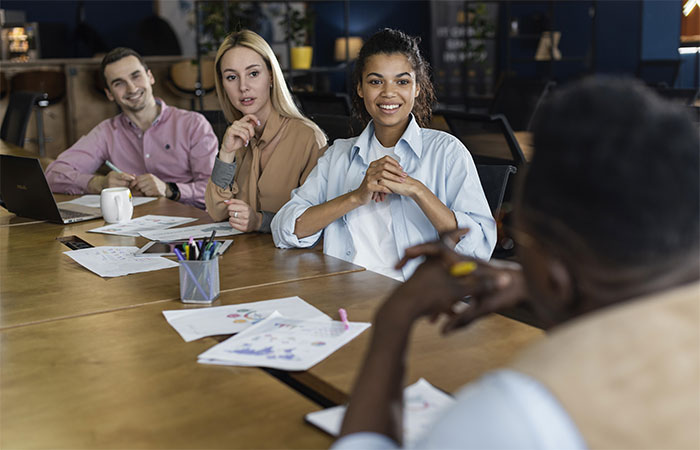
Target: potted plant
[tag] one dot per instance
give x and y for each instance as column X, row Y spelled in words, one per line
column 299, row 26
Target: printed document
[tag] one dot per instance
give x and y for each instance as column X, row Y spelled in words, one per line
column 117, row 261
column 195, row 231
column 423, row 403
column 193, row 324
column 142, row 224
column 93, row 201
column 282, row 343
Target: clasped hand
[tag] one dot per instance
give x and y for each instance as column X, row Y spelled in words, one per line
column 385, row 176
column 433, row 292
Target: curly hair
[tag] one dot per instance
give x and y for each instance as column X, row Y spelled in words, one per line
column 388, row 41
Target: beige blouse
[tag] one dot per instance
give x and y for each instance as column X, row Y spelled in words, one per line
column 272, row 165
column 628, row 375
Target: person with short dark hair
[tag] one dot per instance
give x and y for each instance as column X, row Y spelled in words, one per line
column 160, row 151
column 396, row 184
column 608, row 231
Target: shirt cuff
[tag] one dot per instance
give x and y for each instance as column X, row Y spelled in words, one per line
column 364, row 441
column 222, row 174
column 266, row 221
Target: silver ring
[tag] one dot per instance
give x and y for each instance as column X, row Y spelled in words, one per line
column 235, row 215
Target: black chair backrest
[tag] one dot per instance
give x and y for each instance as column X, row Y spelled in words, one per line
column 519, row 100
column 658, row 72
column 337, row 126
column 489, row 139
column 494, row 181
column 218, row 122
column 334, row 103
column 694, row 114
column 19, row 110
column 682, row 96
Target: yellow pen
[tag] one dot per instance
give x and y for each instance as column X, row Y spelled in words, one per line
column 463, row 268
column 187, row 252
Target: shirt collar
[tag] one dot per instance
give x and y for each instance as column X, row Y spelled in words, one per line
column 411, row 138
column 159, row 117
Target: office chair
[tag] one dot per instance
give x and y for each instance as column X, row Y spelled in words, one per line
column 518, row 100
column 19, row 110
column 337, row 126
column 489, row 139
column 694, row 112
column 681, row 96
column 218, row 122
column 658, row 72
column 494, row 180
column 182, row 80
column 52, row 84
column 312, row 103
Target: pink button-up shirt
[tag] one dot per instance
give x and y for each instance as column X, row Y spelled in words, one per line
column 179, row 147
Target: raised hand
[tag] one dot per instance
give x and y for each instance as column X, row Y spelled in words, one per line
column 237, row 137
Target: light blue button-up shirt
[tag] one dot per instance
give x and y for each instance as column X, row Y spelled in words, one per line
column 435, row 158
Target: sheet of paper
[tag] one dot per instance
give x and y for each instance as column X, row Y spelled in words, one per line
column 195, row 231
column 117, row 261
column 193, row 324
column 93, row 201
column 282, row 343
column 142, row 224
column 423, row 403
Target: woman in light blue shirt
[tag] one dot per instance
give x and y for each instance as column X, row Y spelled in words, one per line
column 396, row 184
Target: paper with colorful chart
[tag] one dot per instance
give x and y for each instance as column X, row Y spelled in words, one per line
column 193, row 324
column 142, row 224
column 423, row 403
column 282, row 343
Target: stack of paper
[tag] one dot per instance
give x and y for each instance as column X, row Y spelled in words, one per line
column 93, row 201
column 423, row 404
column 142, row 224
column 117, row 261
column 193, row 324
column 282, row 343
column 195, row 231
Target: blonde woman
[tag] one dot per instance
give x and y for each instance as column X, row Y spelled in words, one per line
column 269, row 148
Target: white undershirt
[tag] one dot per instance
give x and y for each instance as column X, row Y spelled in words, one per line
column 371, row 229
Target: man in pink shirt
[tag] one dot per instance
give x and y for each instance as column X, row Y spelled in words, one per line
column 159, row 151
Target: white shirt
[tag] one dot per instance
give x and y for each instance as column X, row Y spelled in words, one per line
column 502, row 410
column 435, row 158
column 371, row 227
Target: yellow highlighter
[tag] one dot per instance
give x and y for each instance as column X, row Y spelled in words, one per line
column 462, row 269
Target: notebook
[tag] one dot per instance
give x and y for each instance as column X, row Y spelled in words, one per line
column 26, row 192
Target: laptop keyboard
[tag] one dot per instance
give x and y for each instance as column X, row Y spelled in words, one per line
column 68, row 214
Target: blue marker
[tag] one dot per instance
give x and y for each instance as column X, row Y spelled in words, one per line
column 109, row 164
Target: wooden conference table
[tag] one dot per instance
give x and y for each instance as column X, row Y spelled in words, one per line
column 87, row 362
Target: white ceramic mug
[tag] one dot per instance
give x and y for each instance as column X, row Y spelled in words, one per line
column 117, row 205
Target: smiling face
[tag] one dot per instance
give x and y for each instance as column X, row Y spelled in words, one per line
column 389, row 90
column 129, row 84
column 246, row 80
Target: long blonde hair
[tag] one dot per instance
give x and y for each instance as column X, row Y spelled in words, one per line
column 280, row 96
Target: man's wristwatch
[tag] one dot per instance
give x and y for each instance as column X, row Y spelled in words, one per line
column 175, row 192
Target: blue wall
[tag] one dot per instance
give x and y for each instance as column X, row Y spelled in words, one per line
column 114, row 21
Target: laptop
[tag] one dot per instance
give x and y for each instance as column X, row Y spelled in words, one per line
column 26, row 192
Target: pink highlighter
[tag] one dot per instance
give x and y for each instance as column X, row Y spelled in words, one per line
column 344, row 318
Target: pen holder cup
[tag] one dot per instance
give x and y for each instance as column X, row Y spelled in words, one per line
column 199, row 281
